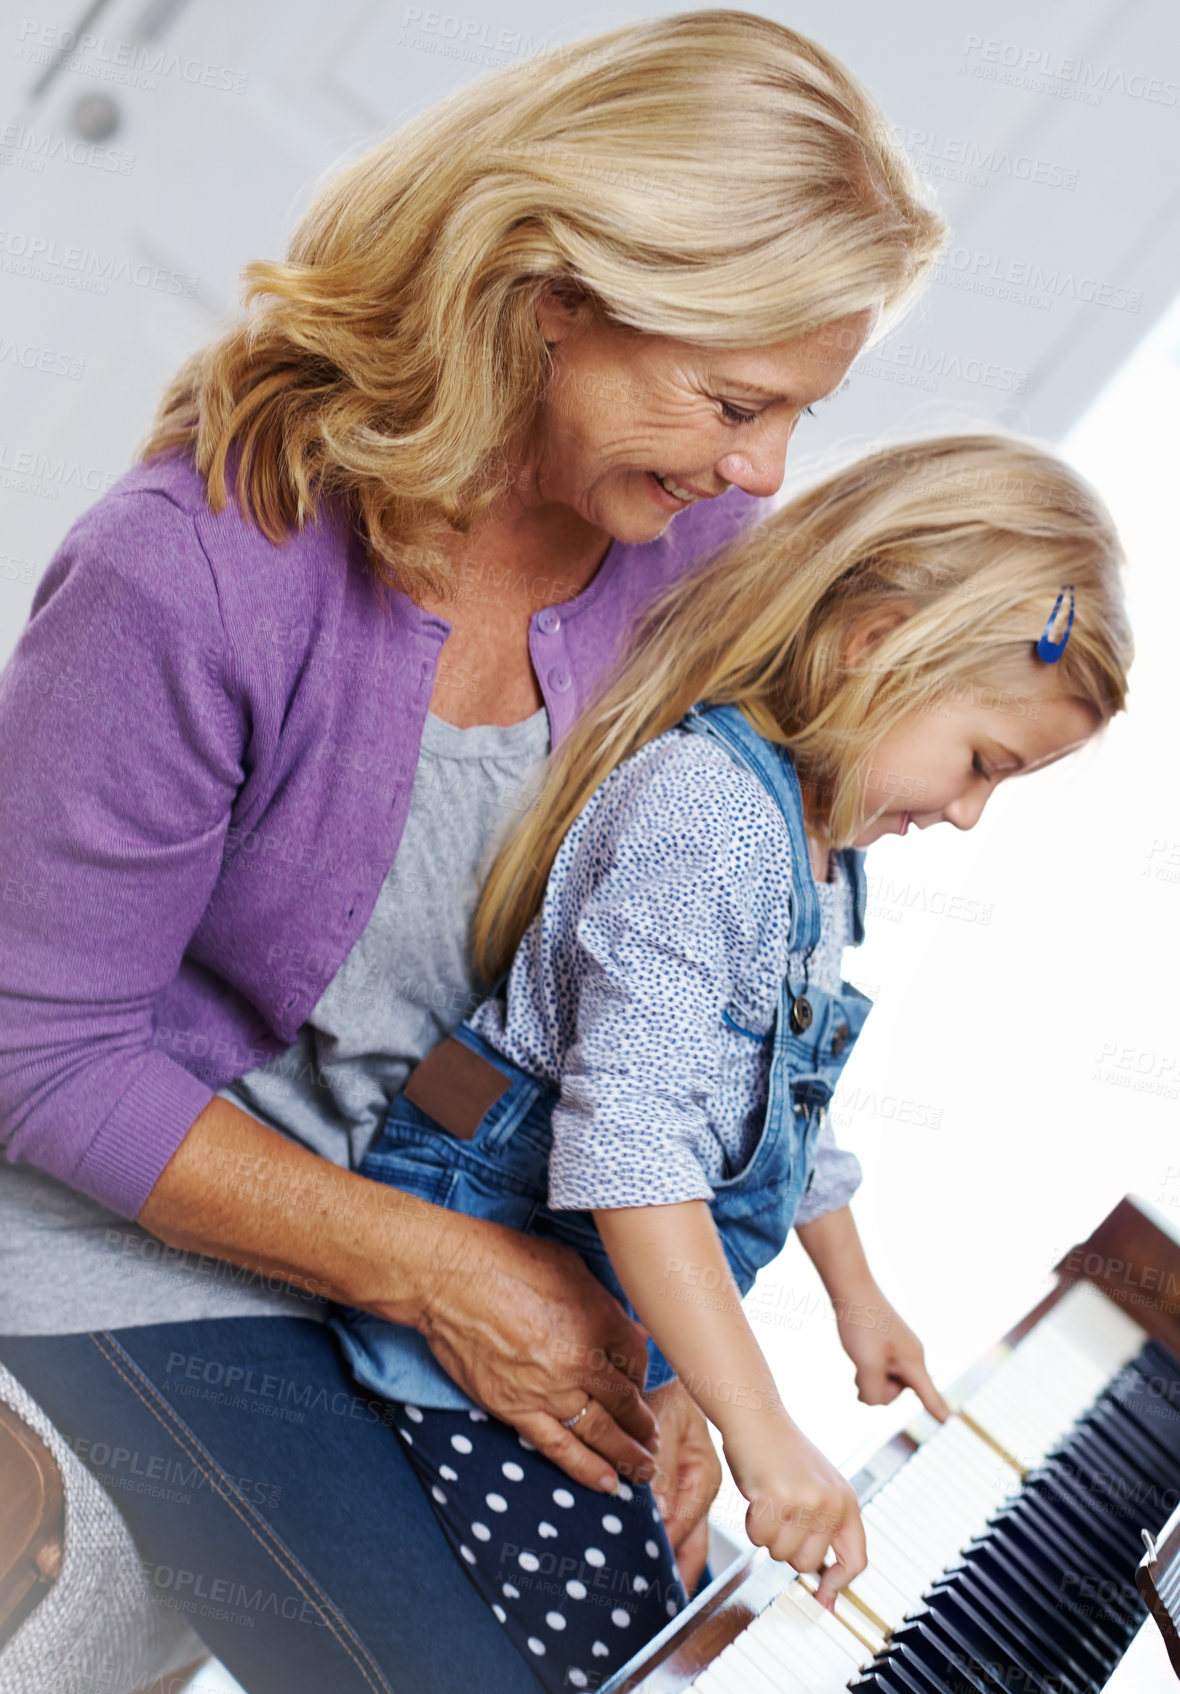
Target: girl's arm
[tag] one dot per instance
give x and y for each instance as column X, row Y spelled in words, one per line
column 886, row 1352
column 673, row 1269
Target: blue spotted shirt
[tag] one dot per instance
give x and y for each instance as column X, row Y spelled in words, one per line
column 645, row 989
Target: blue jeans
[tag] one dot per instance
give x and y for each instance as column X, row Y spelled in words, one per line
column 273, row 1504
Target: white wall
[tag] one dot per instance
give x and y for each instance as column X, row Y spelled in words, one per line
column 1062, row 188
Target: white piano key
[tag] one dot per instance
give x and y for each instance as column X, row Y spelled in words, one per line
column 856, row 1621
column 1036, row 1394
column 713, row 1680
column 873, row 1589
column 721, row 1678
column 800, row 1646
column 761, row 1650
column 907, row 1573
column 976, row 1472
column 845, row 1647
column 1097, row 1327
column 749, row 1664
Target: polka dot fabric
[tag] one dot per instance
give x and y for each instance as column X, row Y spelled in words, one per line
column 646, row 988
column 580, row 1581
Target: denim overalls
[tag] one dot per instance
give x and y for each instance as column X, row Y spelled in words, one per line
column 501, row 1173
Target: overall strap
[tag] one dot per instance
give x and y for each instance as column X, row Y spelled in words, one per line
column 771, row 764
column 853, row 860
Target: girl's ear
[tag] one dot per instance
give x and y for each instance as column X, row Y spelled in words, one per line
column 867, row 631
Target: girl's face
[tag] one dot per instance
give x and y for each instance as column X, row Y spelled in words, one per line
column 942, row 765
column 636, row 428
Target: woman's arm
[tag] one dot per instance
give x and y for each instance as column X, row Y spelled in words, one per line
column 520, row 1324
column 887, row 1354
column 673, row 1269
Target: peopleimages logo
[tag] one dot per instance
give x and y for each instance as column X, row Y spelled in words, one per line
column 137, row 63
column 1030, row 281
column 1025, row 65
column 48, row 260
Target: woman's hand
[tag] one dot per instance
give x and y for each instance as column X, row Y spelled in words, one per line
column 687, row 1478
column 530, row 1333
column 521, row 1324
column 799, row 1502
column 887, row 1354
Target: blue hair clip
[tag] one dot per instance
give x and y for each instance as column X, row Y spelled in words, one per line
column 1048, row 649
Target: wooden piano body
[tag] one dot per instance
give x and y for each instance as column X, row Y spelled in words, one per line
column 1134, row 1263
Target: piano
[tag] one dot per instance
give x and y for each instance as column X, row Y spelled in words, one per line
column 1003, row 1545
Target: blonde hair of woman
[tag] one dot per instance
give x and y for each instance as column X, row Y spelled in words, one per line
column 969, row 539
column 711, row 176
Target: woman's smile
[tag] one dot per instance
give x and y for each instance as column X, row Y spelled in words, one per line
column 675, row 495
column 623, row 408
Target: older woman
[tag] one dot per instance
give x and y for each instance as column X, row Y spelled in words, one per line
column 530, row 359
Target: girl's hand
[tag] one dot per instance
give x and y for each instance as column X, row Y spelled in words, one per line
column 800, row 1505
column 887, row 1354
column 687, row 1478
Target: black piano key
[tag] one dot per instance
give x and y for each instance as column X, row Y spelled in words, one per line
column 1052, row 1485
column 886, row 1679
column 1114, row 1448
column 987, row 1654
column 938, row 1652
column 902, row 1669
column 1095, row 1634
column 1155, row 1358
column 1147, row 1429
column 1037, row 1514
column 992, row 1655
column 1096, row 1471
column 1082, row 1562
column 1132, row 1493
column 1127, row 1435
column 1098, row 1445
column 1018, row 1637
column 1081, row 1658
column 1123, row 1504
column 914, row 1676
column 1150, row 1397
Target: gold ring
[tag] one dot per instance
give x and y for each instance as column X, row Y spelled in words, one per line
column 572, row 1423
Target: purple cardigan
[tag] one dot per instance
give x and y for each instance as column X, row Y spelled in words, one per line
column 207, row 747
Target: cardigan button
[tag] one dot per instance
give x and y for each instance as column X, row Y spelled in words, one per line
column 560, row 680
column 549, row 621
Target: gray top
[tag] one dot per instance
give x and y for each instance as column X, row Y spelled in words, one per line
column 68, row 1264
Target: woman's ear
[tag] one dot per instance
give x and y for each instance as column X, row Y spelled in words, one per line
column 561, row 307
column 864, row 634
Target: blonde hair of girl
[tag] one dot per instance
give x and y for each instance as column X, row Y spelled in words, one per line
column 970, row 538
column 396, row 354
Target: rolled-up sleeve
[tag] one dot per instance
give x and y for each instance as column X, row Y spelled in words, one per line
column 120, row 757
column 682, row 855
column 836, row 1175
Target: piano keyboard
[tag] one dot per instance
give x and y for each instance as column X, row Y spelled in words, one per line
column 1002, row 1552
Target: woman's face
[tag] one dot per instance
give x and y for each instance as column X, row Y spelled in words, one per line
column 636, row 428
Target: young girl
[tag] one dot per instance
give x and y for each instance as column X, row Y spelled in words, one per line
column 649, row 1081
